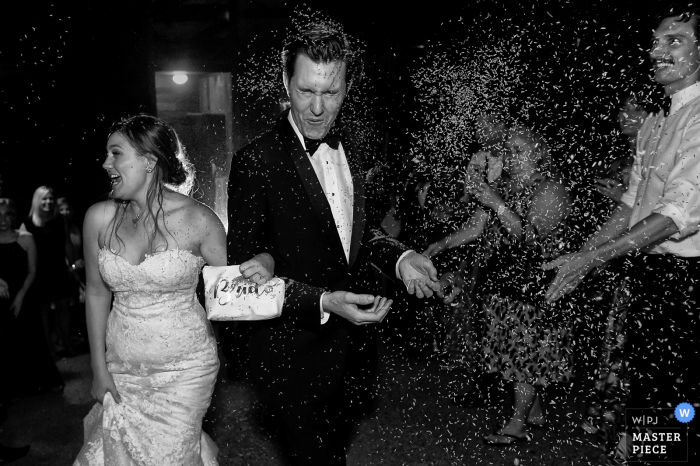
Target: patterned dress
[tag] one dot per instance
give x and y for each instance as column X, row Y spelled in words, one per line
column 526, row 339
column 162, row 354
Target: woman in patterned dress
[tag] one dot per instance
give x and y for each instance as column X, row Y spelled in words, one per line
column 522, row 219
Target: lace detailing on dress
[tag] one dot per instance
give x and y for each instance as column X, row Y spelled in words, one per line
column 162, row 354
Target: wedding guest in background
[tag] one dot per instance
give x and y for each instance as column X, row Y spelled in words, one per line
column 78, row 331
column 75, row 236
column 656, row 226
column 31, row 370
column 18, row 264
column 466, row 322
column 52, row 281
column 17, row 272
column 523, row 220
column 608, row 296
column 491, row 133
column 631, row 115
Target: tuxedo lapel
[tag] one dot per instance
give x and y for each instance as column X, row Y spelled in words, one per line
column 310, row 181
column 358, row 188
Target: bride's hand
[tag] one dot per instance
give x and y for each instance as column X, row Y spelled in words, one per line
column 102, row 383
column 260, row 269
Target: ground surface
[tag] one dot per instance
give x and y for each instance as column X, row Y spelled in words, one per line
column 413, row 423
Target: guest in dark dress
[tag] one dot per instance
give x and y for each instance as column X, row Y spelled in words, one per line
column 78, row 330
column 31, row 369
column 52, row 281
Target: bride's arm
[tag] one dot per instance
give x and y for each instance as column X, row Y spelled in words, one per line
column 211, row 235
column 98, row 299
column 259, row 269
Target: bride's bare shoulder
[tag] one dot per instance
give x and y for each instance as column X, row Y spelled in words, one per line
column 102, row 212
column 193, row 213
column 97, row 220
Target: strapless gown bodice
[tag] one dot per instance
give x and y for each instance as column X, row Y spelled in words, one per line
column 162, row 354
column 155, row 314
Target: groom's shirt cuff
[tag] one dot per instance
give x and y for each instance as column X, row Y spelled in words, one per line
column 398, row 275
column 324, row 315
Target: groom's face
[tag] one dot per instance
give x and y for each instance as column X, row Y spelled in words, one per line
column 316, row 92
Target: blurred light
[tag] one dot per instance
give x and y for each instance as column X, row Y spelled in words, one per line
column 180, row 78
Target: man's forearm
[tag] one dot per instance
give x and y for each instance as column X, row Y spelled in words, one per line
column 649, row 231
column 613, row 228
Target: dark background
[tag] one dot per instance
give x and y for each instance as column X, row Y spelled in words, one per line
column 69, row 69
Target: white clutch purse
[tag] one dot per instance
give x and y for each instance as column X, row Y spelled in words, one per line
column 229, row 296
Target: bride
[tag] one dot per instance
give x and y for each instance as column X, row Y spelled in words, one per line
column 154, row 357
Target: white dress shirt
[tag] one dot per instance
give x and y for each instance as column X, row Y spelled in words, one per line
column 333, row 172
column 665, row 178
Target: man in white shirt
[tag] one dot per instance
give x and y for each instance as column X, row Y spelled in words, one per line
column 658, row 221
column 297, row 193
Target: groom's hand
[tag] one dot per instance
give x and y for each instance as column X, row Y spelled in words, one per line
column 419, row 275
column 346, row 305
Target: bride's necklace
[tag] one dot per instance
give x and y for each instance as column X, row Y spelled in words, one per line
column 135, row 220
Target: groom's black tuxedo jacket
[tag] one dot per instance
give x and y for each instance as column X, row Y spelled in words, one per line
column 276, row 205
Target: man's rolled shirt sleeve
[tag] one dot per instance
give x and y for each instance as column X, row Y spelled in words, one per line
column 680, row 200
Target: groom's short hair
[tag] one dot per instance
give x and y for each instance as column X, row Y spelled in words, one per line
column 322, row 43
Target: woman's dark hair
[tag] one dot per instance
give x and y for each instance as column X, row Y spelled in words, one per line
column 323, row 43
column 155, row 139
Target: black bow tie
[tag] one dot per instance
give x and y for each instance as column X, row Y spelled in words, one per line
column 312, row 145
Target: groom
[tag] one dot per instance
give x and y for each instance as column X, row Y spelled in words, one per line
column 297, row 193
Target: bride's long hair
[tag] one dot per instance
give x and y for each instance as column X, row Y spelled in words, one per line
column 152, row 136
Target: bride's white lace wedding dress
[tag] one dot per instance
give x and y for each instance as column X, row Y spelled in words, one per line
column 162, row 354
